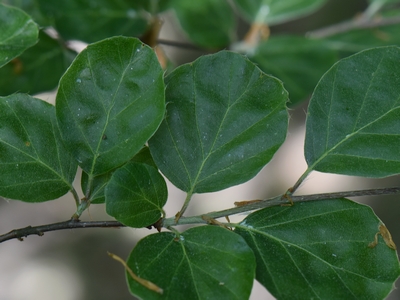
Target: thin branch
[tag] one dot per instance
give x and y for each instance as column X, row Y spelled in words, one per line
column 278, row 200
column 200, row 219
column 176, row 44
column 359, row 23
column 70, row 224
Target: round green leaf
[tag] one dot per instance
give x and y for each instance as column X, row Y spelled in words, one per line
column 204, row 262
column 34, row 164
column 208, row 23
column 319, row 250
column 136, row 194
column 299, row 62
column 276, row 11
column 225, row 120
column 38, row 69
column 110, row 102
column 17, row 33
column 353, row 120
column 91, row 21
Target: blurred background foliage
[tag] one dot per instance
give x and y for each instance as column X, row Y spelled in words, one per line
column 294, row 40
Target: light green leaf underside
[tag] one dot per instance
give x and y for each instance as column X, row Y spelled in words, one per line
column 353, row 122
column 18, row 32
column 136, row 194
column 110, row 102
column 276, row 11
column 320, row 250
column 202, row 263
column 34, row 165
column 225, row 120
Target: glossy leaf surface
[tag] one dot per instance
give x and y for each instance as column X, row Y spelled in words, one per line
column 320, row 250
column 276, row 11
column 136, row 194
column 204, row 262
column 299, row 62
column 208, row 23
column 353, row 120
column 18, row 32
column 225, row 120
column 38, row 69
column 110, row 102
column 34, row 164
column 91, row 21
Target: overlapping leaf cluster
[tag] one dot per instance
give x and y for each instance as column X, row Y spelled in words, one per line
column 207, row 126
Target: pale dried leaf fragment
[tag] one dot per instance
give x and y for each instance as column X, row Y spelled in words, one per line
column 148, row 284
column 246, row 202
column 387, row 237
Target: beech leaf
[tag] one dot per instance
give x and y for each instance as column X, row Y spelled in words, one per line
column 35, row 166
column 353, row 120
column 110, row 102
column 205, row 262
column 321, row 250
column 18, row 32
column 136, row 194
column 225, row 120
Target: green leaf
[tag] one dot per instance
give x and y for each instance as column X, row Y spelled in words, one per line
column 299, row 62
column 18, row 32
column 204, row 262
column 38, row 69
column 353, row 120
column 110, row 102
column 276, row 11
column 91, row 21
column 96, row 194
column 144, row 156
column 34, row 165
column 225, row 120
column 31, row 7
column 320, row 250
column 136, row 194
column 208, row 23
